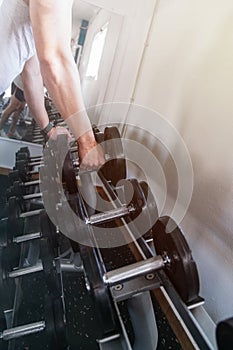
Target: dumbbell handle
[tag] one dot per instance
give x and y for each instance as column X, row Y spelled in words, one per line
column 109, row 215
column 31, row 213
column 35, row 163
column 27, row 237
column 99, row 218
column 65, row 265
column 137, row 269
column 16, row 332
column 38, row 139
column 32, row 196
column 35, row 158
column 26, row 270
column 31, row 183
column 33, row 172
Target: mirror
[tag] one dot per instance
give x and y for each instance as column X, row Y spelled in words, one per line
column 95, row 35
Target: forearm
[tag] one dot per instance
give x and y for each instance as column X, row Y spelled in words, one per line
column 51, row 23
column 61, row 78
column 34, row 92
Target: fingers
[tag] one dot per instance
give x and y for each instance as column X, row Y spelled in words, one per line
column 58, row 130
column 91, row 159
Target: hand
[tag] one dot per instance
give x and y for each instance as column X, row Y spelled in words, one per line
column 58, row 130
column 91, row 154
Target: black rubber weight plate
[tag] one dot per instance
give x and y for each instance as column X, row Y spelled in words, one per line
column 182, row 271
column 114, row 169
column 224, row 334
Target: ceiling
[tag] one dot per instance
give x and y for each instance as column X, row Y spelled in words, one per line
column 83, row 10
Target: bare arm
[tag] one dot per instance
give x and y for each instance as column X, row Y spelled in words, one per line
column 51, row 23
column 34, row 91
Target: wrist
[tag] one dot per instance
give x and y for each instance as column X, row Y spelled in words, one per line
column 87, row 139
column 49, row 134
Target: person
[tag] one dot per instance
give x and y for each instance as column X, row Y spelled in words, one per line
column 14, row 108
column 36, row 40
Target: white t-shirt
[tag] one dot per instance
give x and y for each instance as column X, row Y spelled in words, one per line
column 18, row 82
column 17, row 42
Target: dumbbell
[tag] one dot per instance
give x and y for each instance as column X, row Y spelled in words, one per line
column 26, row 164
column 25, row 169
column 131, row 210
column 45, row 232
column 13, row 230
column 22, row 174
column 174, row 257
column 53, row 323
column 20, row 189
column 45, row 246
column 24, row 153
column 141, row 227
column 224, row 334
column 114, row 168
column 12, row 226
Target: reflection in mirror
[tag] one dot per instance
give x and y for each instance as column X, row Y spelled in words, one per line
column 95, row 39
column 96, row 53
column 82, row 14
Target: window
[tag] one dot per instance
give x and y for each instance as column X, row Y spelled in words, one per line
column 96, row 53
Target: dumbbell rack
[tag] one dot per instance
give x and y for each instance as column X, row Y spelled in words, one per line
column 109, row 284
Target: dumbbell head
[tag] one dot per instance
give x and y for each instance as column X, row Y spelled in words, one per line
column 99, row 135
column 138, row 195
column 224, row 334
column 55, row 325
column 23, row 150
column 180, row 268
column 24, row 168
column 16, row 189
column 20, row 189
column 10, row 225
column 133, row 196
column 8, row 259
column 114, row 168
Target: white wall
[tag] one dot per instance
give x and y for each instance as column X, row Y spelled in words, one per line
column 187, row 77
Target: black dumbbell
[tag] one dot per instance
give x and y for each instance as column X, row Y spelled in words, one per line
column 43, row 244
column 24, row 153
column 25, row 169
column 20, row 189
column 53, row 324
column 224, row 334
column 114, row 168
column 173, row 257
